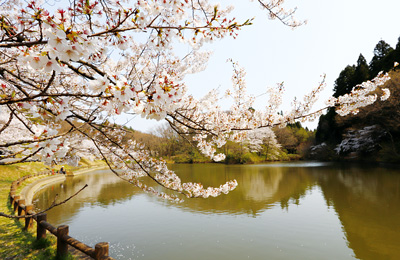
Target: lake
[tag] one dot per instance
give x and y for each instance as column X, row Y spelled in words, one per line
column 301, row 210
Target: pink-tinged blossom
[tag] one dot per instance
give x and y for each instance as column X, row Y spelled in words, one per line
column 69, row 53
column 100, row 84
column 58, row 40
column 386, row 94
column 52, row 65
column 38, row 62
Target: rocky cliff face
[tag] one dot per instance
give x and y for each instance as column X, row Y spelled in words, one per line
column 356, row 144
column 361, row 142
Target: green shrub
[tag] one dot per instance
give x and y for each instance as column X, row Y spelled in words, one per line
column 294, row 157
column 41, row 243
column 232, row 159
column 252, row 158
column 182, row 158
column 388, row 153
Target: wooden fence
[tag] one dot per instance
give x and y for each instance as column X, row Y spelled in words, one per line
column 99, row 252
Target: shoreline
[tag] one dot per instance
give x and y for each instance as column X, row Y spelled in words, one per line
column 28, row 192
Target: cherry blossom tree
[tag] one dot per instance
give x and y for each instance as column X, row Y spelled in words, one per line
column 263, row 140
column 64, row 73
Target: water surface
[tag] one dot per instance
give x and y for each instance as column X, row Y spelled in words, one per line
column 279, row 211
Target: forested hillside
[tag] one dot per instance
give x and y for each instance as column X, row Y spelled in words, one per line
column 374, row 132
column 279, row 144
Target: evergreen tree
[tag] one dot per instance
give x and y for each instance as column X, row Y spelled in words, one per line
column 361, row 73
column 328, row 130
column 345, row 82
column 382, row 60
column 396, row 52
column 382, row 49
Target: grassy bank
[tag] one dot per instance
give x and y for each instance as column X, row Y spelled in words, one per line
column 16, row 243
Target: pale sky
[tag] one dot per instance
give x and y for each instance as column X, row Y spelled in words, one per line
column 336, row 33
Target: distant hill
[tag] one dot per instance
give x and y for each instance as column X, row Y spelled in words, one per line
column 374, row 133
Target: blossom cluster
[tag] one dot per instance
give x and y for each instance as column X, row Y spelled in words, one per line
column 360, row 96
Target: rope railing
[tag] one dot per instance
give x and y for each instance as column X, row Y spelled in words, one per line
column 100, row 250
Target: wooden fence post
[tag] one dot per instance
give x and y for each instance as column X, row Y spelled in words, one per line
column 15, row 202
column 12, row 193
column 21, row 209
column 40, row 231
column 62, row 246
column 100, row 250
column 28, row 220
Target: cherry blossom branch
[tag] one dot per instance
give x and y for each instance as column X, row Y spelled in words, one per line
column 24, row 159
column 284, row 17
column 18, row 86
column 22, row 121
column 80, row 65
column 35, row 140
column 23, row 44
column 8, row 122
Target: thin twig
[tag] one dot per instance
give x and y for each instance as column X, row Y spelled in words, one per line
column 54, row 204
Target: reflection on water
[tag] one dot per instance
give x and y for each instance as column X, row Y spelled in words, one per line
column 368, row 205
column 279, row 211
